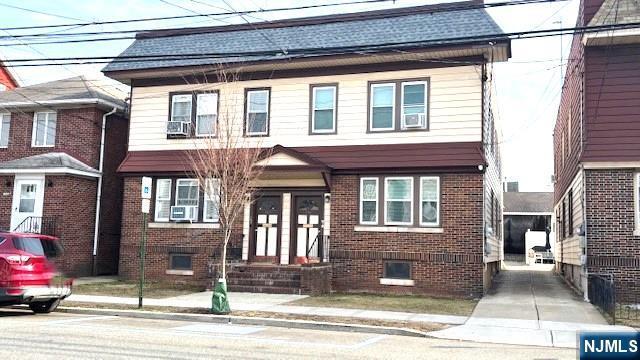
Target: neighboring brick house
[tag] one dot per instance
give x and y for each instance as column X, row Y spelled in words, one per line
column 385, row 165
column 7, row 80
column 59, row 142
column 597, row 157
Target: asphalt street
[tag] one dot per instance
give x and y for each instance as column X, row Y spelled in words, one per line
column 70, row 336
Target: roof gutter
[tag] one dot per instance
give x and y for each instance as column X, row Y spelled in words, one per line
column 105, row 103
column 96, row 228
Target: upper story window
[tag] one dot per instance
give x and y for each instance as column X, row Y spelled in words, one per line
column 181, row 106
column 324, row 109
column 5, row 123
column 206, row 114
column 44, row 129
column 398, row 200
column 257, row 112
column 382, row 112
column 414, row 105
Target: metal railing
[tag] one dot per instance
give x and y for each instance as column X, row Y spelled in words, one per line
column 38, row 225
column 602, row 294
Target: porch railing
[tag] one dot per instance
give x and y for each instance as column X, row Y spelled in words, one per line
column 38, row 225
column 321, row 243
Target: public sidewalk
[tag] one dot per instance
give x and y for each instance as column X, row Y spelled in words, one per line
column 273, row 303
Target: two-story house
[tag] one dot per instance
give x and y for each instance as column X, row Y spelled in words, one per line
column 60, row 145
column 597, row 156
column 385, row 158
column 7, row 80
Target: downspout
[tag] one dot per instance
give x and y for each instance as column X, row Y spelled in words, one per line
column 99, row 192
column 585, row 269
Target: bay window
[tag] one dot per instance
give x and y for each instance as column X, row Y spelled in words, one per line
column 398, row 197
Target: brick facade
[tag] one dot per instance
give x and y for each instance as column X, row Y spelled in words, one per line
column 71, row 200
column 443, row 264
column 449, row 263
column 612, row 246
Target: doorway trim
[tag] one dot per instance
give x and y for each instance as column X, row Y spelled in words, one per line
column 39, row 180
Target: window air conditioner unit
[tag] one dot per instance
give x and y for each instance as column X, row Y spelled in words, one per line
column 184, row 213
column 414, row 120
column 178, row 128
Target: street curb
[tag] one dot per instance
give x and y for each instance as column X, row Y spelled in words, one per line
column 244, row 320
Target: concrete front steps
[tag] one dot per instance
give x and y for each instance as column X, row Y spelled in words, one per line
column 259, row 278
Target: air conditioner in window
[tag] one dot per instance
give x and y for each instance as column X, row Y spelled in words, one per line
column 414, row 120
column 184, row 213
column 178, row 128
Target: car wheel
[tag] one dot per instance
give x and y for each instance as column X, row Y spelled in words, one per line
column 44, row 307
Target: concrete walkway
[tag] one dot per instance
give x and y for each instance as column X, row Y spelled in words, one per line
column 274, row 303
column 529, row 305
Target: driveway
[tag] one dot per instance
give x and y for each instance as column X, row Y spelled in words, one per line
column 534, row 293
column 529, row 305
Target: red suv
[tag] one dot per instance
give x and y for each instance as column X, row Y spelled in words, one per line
column 27, row 273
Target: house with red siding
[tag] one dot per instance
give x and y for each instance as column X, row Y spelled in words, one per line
column 7, row 80
column 384, row 173
column 60, row 145
column 597, row 153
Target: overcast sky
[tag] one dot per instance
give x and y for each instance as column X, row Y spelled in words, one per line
column 527, row 87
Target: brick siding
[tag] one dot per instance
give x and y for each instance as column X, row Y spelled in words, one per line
column 612, row 247
column 442, row 264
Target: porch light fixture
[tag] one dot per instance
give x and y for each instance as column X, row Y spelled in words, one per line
column 50, row 183
column 480, row 167
column 8, row 183
column 327, row 198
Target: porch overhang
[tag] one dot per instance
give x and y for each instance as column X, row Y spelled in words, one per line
column 49, row 164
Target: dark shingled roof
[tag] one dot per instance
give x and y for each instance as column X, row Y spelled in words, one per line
column 76, row 88
column 528, row 202
column 424, row 25
column 54, row 160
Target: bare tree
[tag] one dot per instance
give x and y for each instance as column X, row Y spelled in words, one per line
column 225, row 162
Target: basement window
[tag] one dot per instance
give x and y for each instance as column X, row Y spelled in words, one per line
column 180, row 262
column 397, row 270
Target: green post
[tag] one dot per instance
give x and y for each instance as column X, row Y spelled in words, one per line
column 142, row 256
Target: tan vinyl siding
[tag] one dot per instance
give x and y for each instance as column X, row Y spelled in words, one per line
column 454, row 110
column 568, row 250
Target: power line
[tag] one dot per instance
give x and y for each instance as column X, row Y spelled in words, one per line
column 453, row 7
column 320, row 51
column 40, row 12
column 196, row 15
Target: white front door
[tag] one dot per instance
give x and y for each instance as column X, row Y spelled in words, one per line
column 28, row 197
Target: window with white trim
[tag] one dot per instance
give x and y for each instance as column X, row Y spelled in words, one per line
column 211, row 211
column 257, row 116
column 382, row 112
column 369, row 201
column 163, row 200
column 413, row 111
column 206, row 114
column 44, row 129
column 429, row 200
column 398, row 198
column 181, row 107
column 323, row 114
column 5, row 124
column 187, row 192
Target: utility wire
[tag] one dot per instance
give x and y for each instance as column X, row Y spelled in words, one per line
column 452, row 7
column 304, row 52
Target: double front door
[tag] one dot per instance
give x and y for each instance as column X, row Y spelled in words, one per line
column 304, row 224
